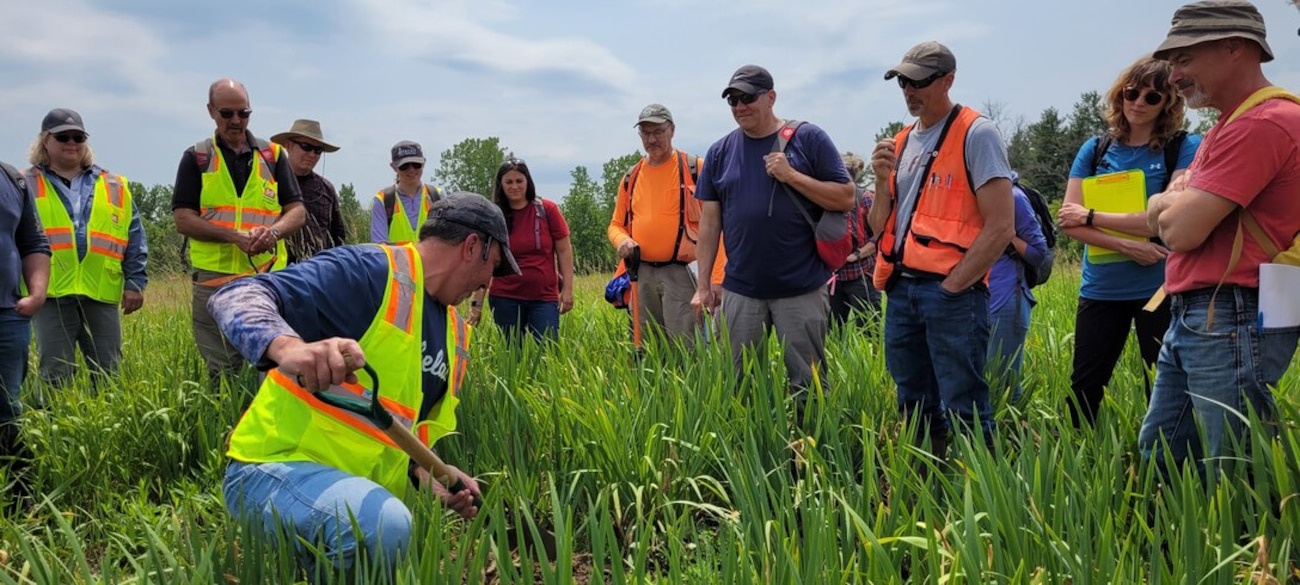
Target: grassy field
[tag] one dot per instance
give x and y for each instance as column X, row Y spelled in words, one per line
column 662, row 471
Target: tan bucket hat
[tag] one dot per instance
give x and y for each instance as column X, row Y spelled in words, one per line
column 304, row 128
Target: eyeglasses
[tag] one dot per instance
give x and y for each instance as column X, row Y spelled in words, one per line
column 1150, row 96
column 309, row 148
column 75, row 137
column 744, row 98
column 656, row 134
column 409, row 166
column 904, row 81
column 228, row 113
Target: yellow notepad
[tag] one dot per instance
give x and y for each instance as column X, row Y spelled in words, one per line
column 1123, row 192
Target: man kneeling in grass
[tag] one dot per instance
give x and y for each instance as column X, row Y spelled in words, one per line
column 301, row 465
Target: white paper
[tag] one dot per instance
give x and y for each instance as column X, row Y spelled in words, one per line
column 1279, row 295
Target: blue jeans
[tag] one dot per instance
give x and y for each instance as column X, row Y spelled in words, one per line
column 1008, row 327
column 15, row 338
column 318, row 503
column 936, row 344
column 540, row 318
column 1200, row 370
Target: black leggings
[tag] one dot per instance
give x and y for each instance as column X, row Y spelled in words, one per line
column 1100, row 332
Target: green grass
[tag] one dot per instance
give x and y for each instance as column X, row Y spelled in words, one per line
column 665, row 469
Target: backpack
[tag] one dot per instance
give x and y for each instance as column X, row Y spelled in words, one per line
column 1038, row 274
column 15, row 177
column 389, row 195
column 1171, row 150
column 833, row 232
column 693, row 169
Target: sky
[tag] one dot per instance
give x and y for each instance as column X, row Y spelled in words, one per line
column 560, row 82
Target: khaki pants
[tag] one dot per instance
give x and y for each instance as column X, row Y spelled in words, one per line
column 800, row 324
column 665, row 297
column 66, row 323
column 220, row 355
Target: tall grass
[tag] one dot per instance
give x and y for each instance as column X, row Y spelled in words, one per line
column 664, row 466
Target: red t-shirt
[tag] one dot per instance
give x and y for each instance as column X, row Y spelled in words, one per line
column 1254, row 162
column 532, row 241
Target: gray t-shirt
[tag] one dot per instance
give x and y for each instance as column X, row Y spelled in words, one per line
column 986, row 158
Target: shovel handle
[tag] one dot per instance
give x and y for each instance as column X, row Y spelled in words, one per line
column 427, row 459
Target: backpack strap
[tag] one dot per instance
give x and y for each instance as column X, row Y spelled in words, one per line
column 204, row 155
column 434, row 193
column 538, row 218
column 388, row 195
column 1099, row 154
column 785, row 134
column 629, row 182
column 1172, row 149
column 15, row 176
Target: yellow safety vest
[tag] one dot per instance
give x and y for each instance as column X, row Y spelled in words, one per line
column 98, row 275
column 287, row 423
column 399, row 226
column 259, row 205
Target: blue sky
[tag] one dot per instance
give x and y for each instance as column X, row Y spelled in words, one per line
column 559, row 82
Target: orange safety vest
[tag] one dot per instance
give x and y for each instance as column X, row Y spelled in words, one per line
column 946, row 219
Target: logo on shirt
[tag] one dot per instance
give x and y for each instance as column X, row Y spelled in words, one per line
column 1156, row 166
column 269, row 193
column 435, row 365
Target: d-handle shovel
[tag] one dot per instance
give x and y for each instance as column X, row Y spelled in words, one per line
column 426, row 458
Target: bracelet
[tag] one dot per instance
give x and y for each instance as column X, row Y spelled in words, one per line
column 1091, row 214
column 275, row 232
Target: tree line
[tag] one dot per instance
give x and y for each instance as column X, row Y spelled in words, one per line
column 1041, row 151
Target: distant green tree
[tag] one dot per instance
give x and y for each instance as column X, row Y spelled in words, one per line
column 165, row 243
column 1206, row 119
column 1087, row 120
column 611, row 174
column 355, row 219
column 888, row 131
column 470, row 165
column 1042, row 152
column 591, row 250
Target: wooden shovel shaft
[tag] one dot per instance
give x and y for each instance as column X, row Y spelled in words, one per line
column 425, row 457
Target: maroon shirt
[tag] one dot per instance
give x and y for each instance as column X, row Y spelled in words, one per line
column 532, row 241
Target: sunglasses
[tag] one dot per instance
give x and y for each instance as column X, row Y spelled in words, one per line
column 309, row 148
column 409, row 166
column 228, row 113
column 904, row 81
column 1150, row 96
column 64, row 138
column 743, row 98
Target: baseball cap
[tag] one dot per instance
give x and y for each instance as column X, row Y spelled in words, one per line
column 475, row 212
column 407, row 151
column 1201, row 22
column 923, row 61
column 654, row 114
column 62, row 120
column 749, row 79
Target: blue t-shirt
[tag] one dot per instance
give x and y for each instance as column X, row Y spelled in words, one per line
column 1007, row 277
column 333, row 294
column 1127, row 280
column 771, row 252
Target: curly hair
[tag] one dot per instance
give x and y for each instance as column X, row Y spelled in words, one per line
column 1146, row 72
column 854, row 164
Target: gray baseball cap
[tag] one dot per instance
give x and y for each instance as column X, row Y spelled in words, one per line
column 62, row 120
column 923, row 61
column 407, row 151
column 1211, row 20
column 475, row 212
column 654, row 114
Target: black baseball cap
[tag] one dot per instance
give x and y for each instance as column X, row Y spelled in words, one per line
column 750, row 79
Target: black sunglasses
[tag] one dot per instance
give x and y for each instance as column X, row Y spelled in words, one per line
column 409, row 166
column 904, row 81
column 310, row 148
column 513, row 163
column 1152, row 97
column 64, row 138
column 228, row 113
column 744, row 98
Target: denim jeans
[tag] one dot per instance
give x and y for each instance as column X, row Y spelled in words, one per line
column 1008, row 327
column 936, row 344
column 318, row 504
column 540, row 318
column 1204, row 371
column 15, row 338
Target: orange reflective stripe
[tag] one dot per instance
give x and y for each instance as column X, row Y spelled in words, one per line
column 113, row 190
column 401, row 305
column 462, row 353
column 60, row 238
column 352, row 419
column 107, row 245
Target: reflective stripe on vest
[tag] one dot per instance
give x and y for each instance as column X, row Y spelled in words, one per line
column 287, row 423
column 258, row 205
column 98, row 275
column 946, row 218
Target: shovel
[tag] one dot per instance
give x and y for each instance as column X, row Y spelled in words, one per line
column 427, row 459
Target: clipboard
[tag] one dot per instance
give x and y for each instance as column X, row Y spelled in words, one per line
column 1122, row 192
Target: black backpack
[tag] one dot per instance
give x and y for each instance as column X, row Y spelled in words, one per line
column 1038, row 274
column 1172, row 148
column 389, row 197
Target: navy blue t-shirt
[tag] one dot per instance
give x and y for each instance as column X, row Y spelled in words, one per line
column 771, row 252
column 333, row 294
